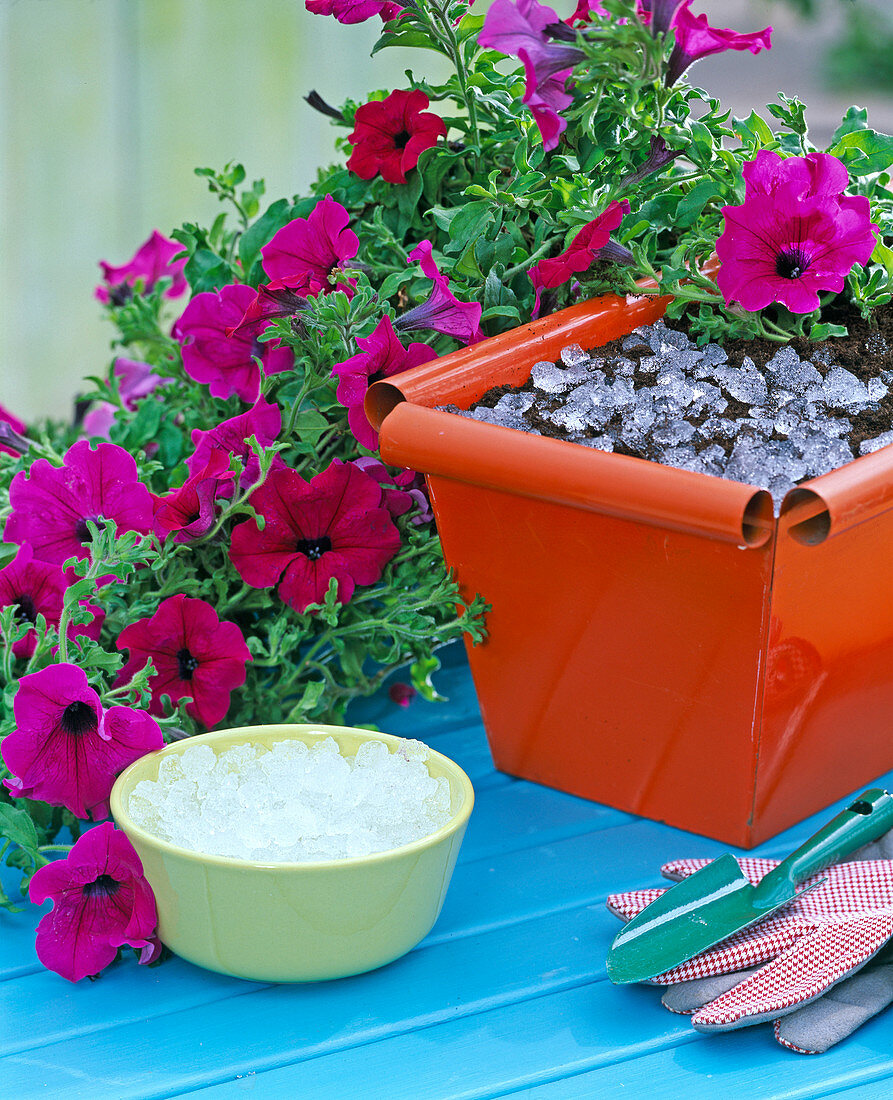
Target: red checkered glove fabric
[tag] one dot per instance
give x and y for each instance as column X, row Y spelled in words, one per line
column 800, row 953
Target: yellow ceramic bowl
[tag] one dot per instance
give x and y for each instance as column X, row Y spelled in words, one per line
column 296, row 922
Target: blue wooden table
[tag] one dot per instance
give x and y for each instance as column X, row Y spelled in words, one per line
column 507, row 996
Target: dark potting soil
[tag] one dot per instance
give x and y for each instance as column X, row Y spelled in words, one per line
column 866, row 353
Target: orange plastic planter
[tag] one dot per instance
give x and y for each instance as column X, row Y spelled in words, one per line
column 658, row 641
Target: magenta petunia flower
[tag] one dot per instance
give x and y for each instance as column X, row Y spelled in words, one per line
column 518, row 28
column 65, row 748
column 135, row 381
column 332, row 526
column 101, row 902
column 193, row 652
column 15, row 428
column 695, row 38
column 587, row 246
column 227, row 363
column 355, row 11
column 402, row 491
column 263, row 420
column 795, row 234
column 307, row 253
column 189, row 511
column 51, row 504
column 442, row 312
column 401, row 694
column 381, row 355
column 154, row 260
column 37, row 588
column 390, row 134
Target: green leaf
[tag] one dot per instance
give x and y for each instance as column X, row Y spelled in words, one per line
column 856, row 118
column 470, row 221
column 884, row 256
column 259, row 232
column 17, row 826
column 420, row 673
column 205, row 270
column 824, row 331
column 689, row 209
column 864, row 152
column 417, row 39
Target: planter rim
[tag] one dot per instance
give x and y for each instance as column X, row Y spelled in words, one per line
column 414, row 434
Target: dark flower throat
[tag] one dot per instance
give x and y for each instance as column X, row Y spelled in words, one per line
column 25, row 609
column 102, row 887
column 791, row 263
column 186, row 664
column 314, row 548
column 79, row 718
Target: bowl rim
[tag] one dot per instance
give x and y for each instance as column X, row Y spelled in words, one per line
column 128, row 826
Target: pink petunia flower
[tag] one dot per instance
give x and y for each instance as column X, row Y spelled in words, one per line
column 587, row 246
column 227, row 363
column 101, row 902
column 263, row 420
column 518, row 28
column 381, row 355
column 402, row 491
column 307, row 253
column 193, row 652
column 795, row 234
column 695, row 38
column 332, row 526
column 51, row 504
column 355, row 11
column 390, row 134
column 154, row 260
column 135, row 381
column 65, row 748
column 442, row 312
column 15, row 428
column 38, row 588
column 188, row 512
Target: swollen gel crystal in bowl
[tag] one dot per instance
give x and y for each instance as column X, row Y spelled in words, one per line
column 293, row 803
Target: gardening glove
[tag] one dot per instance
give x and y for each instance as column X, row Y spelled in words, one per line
column 783, row 967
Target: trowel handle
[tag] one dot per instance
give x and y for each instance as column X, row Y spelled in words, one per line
column 864, row 820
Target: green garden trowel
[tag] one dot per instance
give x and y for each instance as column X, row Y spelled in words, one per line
column 719, row 899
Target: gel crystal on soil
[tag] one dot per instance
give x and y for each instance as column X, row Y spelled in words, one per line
column 770, row 415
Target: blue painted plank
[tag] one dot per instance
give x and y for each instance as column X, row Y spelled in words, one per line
column 172, row 1053
column 741, row 1065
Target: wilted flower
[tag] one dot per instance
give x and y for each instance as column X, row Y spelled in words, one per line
column 194, row 654
column 307, row 253
column 263, row 421
column 401, row 694
column 442, row 312
column 381, row 355
column 389, row 135
column 65, row 748
column 403, row 490
column 227, row 364
column 188, row 512
column 15, row 427
column 586, row 247
column 101, row 902
column 272, row 300
column 153, row 260
column 51, row 504
column 333, row 526
column 795, row 234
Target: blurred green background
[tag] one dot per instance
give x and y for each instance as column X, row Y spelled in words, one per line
column 107, row 106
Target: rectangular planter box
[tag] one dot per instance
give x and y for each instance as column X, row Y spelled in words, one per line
column 658, row 641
